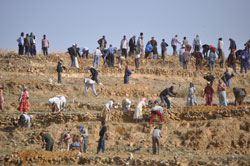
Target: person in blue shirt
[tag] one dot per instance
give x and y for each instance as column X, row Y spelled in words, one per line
column 127, row 75
column 244, row 60
column 20, row 41
column 148, row 50
column 111, row 51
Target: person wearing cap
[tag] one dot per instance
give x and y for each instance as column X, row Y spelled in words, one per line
column 208, row 92
column 191, row 98
column 185, row 58
column 88, row 82
column 156, row 140
column 138, row 115
column 156, row 110
column 181, row 52
column 197, row 43
column 211, row 57
column 84, row 138
column 59, row 70
column 167, row 92
column 23, row 100
column 164, row 46
column 64, row 139
column 47, row 141
column 94, row 74
column 24, row 121
column 231, row 60
column 198, row 60
column 221, row 90
column 239, row 94
column 1, row 98
column 105, row 114
column 103, row 137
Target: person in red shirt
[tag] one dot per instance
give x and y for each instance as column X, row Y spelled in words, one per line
column 23, row 99
column 209, row 94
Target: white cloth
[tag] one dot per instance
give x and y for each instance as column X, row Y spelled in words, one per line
column 109, row 104
column 191, row 99
column 138, row 111
column 27, row 119
column 98, row 52
column 220, row 44
column 76, row 61
column 89, row 81
column 59, row 101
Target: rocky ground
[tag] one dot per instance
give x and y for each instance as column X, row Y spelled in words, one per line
column 197, row 135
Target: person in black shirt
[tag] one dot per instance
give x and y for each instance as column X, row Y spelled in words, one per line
column 103, row 137
column 164, row 93
column 94, row 74
column 47, row 141
column 210, row 78
column 59, row 69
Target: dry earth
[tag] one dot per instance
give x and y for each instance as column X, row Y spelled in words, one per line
column 197, row 135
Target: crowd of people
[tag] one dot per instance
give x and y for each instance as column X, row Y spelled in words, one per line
column 135, row 48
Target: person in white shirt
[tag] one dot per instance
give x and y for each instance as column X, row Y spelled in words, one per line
column 97, row 55
column 106, row 110
column 221, row 55
column 24, row 121
column 156, row 140
column 58, row 103
column 88, row 82
column 126, row 103
column 181, row 52
column 124, row 46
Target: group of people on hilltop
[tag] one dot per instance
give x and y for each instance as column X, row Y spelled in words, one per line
column 27, row 44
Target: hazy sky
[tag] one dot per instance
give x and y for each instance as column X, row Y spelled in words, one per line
column 85, row 21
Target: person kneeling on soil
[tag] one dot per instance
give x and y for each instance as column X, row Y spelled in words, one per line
column 126, row 103
column 58, row 103
column 164, row 98
column 156, row 110
column 106, row 110
column 156, row 140
column 24, row 121
column 47, row 141
column 65, row 137
column 239, row 94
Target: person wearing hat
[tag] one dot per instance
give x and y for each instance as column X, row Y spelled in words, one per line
column 208, row 92
column 181, row 52
column 167, row 92
column 138, row 116
column 84, row 139
column 211, row 58
column 1, row 98
column 24, row 120
column 60, row 69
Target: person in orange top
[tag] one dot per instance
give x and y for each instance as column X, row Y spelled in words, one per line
column 23, row 99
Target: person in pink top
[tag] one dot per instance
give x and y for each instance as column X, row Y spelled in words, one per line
column 45, row 45
column 222, row 93
column 1, row 98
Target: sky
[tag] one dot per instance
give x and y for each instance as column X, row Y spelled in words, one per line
column 85, row 21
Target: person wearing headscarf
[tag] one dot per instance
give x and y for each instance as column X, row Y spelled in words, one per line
column 208, row 91
column 191, row 99
column 1, row 98
column 23, row 101
column 84, row 138
column 138, row 110
column 127, row 75
column 58, row 103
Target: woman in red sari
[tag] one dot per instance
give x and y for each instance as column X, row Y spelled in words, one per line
column 209, row 94
column 23, row 99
